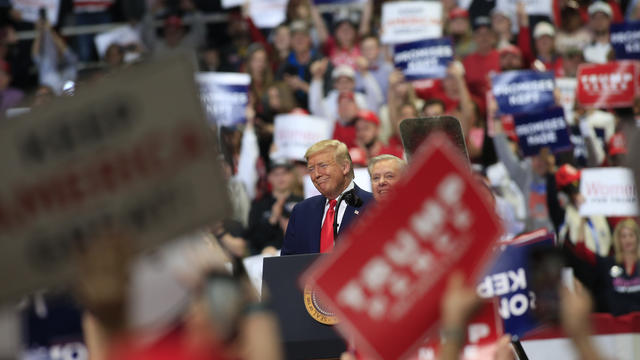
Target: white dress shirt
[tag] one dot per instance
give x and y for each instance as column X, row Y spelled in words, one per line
column 342, row 208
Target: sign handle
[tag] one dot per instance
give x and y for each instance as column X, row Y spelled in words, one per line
column 519, row 349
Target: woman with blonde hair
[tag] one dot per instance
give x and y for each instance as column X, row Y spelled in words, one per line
column 617, row 277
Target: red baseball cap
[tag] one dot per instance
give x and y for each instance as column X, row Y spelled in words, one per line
column 369, row 116
column 510, row 49
column 458, row 13
column 617, row 144
column 173, row 20
column 566, row 175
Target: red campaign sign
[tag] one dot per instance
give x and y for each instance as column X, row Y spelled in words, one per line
column 612, row 84
column 483, row 330
column 386, row 278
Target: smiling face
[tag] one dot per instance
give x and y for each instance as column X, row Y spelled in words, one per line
column 628, row 241
column 384, row 174
column 328, row 175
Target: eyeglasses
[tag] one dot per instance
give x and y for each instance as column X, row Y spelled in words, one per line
column 320, row 166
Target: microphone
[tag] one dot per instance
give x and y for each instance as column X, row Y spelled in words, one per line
column 352, row 199
column 414, row 131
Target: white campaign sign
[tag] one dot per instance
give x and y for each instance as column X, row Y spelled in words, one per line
column 130, row 155
column 232, row 3
column 567, row 89
column 408, row 21
column 30, row 9
column 362, row 179
column 267, row 14
column 532, row 7
column 608, row 192
column 293, row 134
column 122, row 35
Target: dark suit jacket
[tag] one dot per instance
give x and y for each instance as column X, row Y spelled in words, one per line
column 305, row 223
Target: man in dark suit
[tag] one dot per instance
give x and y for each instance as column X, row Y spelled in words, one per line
column 316, row 221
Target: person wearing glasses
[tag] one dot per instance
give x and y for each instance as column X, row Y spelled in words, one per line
column 315, row 222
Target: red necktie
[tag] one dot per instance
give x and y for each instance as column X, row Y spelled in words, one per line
column 326, row 236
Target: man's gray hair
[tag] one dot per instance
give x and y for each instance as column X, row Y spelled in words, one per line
column 401, row 163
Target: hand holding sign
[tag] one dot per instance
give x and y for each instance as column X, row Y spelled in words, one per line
column 445, row 223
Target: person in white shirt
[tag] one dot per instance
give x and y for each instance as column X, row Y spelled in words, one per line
column 600, row 15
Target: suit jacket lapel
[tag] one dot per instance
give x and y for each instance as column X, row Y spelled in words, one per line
column 316, row 225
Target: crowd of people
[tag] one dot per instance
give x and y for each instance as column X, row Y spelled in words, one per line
column 333, row 65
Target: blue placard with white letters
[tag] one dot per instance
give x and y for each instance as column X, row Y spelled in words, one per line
column 542, row 129
column 523, row 91
column 225, row 97
column 625, row 40
column 425, row 59
column 507, row 279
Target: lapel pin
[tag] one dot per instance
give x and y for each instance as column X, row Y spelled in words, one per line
column 356, row 212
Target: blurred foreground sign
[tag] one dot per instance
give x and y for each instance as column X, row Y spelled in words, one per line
column 386, row 277
column 132, row 154
column 608, row 192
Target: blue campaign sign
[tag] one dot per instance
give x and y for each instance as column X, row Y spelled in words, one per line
column 225, row 97
column 625, row 40
column 508, row 280
column 542, row 129
column 523, row 91
column 425, row 59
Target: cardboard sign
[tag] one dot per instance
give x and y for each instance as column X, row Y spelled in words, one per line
column 122, row 35
column 267, row 14
column 30, row 9
column 226, row 4
column 607, row 85
column 523, row 91
column 580, row 153
column 392, row 266
column 407, row 21
column 542, row 129
column 533, row 7
column 426, row 59
column 225, row 97
column 131, row 154
column 338, row 2
column 608, row 192
column 625, row 40
column 293, row 134
column 567, row 89
column 507, row 279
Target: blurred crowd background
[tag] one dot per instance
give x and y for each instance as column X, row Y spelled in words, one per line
column 330, row 62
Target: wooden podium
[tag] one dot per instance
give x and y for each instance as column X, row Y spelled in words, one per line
column 299, row 313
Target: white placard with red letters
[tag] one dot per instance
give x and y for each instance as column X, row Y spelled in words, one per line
column 608, row 192
column 131, row 155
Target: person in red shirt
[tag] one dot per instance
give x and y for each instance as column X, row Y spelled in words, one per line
column 343, row 48
column 484, row 61
column 367, row 130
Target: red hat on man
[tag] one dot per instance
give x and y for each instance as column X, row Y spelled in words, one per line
column 617, row 144
column 510, row 49
column 458, row 13
column 369, row 116
column 566, row 175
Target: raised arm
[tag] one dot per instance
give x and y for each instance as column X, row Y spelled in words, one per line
column 318, row 23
